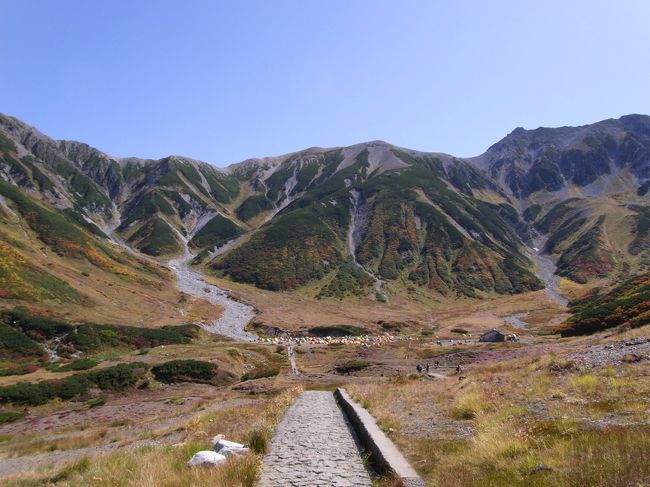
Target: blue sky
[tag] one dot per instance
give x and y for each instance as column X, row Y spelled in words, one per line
column 222, row 81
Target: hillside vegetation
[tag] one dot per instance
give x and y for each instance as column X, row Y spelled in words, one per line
column 627, row 305
column 23, row 335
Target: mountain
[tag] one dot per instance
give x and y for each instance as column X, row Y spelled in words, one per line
column 366, row 220
column 389, row 213
column 591, row 157
column 584, row 188
column 59, row 203
column 156, row 206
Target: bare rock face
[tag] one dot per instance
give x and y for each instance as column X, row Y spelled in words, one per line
column 527, row 161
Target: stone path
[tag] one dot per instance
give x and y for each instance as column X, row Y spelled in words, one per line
column 313, row 446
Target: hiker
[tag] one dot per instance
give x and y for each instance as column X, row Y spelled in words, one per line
column 427, row 368
column 436, row 364
column 459, row 368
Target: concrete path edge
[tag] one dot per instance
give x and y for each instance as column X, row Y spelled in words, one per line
column 386, row 458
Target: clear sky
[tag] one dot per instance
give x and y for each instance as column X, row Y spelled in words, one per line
column 224, row 80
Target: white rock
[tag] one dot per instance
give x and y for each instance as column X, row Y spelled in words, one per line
column 227, row 448
column 231, row 450
column 221, row 443
column 206, row 457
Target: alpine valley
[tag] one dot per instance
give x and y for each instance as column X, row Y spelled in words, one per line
column 488, row 312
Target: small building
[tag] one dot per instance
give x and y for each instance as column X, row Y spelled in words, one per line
column 492, row 336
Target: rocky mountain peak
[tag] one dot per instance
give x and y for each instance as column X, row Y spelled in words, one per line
column 555, row 159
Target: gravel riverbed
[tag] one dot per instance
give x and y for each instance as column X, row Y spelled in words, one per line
column 235, row 315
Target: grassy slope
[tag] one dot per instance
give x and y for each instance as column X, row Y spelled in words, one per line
column 293, row 250
column 627, row 304
column 47, row 260
column 583, row 427
column 253, row 206
column 596, row 240
column 155, row 237
column 216, row 232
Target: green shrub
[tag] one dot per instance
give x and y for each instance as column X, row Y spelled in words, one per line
column 76, row 365
column 10, row 416
column 114, row 378
column 35, row 325
column 18, row 325
column 21, row 370
column 118, row 377
column 73, row 386
column 33, row 394
column 91, row 336
column 462, row 331
column 14, row 342
column 184, row 371
column 260, row 373
column 337, row 331
column 352, row 366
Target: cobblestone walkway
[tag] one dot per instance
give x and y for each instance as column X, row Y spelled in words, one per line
column 313, row 446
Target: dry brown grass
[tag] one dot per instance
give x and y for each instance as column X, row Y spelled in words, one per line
column 166, row 466
column 45, row 444
column 160, row 467
column 531, row 422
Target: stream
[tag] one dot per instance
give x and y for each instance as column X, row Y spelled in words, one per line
column 235, row 315
column 546, row 272
column 358, row 219
column 546, row 269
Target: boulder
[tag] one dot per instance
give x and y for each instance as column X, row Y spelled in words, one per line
column 206, row 457
column 227, row 448
column 630, row 358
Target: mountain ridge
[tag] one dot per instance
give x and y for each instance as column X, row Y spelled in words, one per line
column 403, row 218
